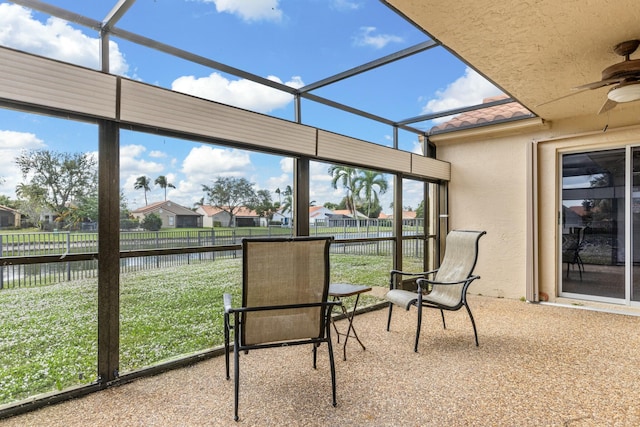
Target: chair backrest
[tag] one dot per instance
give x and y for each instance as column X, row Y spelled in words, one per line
column 284, row 271
column 460, row 257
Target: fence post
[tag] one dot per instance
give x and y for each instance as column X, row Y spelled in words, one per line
column 233, row 235
column 213, row 241
column 157, row 245
column 68, row 252
column 1, row 266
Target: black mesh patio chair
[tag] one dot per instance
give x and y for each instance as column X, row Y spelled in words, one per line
column 572, row 245
column 444, row 288
column 285, row 285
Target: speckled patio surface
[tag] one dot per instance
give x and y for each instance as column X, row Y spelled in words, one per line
column 537, row 365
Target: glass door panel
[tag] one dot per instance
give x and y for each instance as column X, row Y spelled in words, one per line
column 592, row 224
column 635, row 224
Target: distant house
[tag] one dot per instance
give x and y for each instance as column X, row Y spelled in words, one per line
column 344, row 218
column 243, row 217
column 172, row 214
column 408, row 218
column 319, row 213
column 348, row 214
column 284, row 218
column 405, row 215
column 9, row 217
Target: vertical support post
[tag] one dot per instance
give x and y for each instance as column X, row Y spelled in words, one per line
column 397, row 222
column 108, row 252
column 443, row 223
column 532, row 285
column 301, row 196
column 297, row 108
column 104, row 51
column 425, row 227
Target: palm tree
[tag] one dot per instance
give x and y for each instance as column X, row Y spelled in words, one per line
column 287, row 206
column 163, row 183
column 142, row 183
column 198, row 204
column 347, row 177
column 366, row 184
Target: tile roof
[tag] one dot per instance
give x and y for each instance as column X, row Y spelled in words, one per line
column 213, row 210
column 8, row 209
column 167, row 205
column 488, row 115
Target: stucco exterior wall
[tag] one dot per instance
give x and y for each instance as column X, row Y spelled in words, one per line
column 488, row 192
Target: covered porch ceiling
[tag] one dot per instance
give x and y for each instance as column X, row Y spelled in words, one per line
column 535, row 51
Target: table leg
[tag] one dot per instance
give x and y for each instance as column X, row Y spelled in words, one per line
column 350, row 328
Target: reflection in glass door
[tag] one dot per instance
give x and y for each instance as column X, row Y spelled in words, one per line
column 593, row 224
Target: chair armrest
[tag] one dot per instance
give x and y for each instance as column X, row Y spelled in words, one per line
column 394, row 273
column 409, row 273
column 433, row 282
column 227, row 302
column 284, row 307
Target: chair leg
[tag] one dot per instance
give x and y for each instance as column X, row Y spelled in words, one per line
column 580, row 265
column 332, row 365
column 226, row 343
column 315, row 355
column 419, row 307
column 444, row 324
column 236, row 370
column 473, row 323
column 389, row 318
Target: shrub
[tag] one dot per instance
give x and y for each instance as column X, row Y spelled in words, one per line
column 129, row 223
column 151, row 222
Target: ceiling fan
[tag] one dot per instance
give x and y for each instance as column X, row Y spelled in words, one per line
column 624, row 75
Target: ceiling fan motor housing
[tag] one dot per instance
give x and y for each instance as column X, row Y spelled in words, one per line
column 623, row 70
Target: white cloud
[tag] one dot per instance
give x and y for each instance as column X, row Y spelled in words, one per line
column 132, row 150
column 157, row 154
column 131, row 163
column 11, row 146
column 344, row 5
column 240, row 93
column 366, row 37
column 470, row 89
column 203, row 164
column 286, row 164
column 280, row 182
column 54, row 39
column 250, row 10
column 320, row 188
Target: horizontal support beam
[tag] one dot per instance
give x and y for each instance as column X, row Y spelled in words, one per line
column 421, row 47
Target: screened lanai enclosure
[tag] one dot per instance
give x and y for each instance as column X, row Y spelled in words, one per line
column 86, row 309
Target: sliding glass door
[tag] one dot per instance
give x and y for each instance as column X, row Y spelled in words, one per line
column 635, row 224
column 593, row 225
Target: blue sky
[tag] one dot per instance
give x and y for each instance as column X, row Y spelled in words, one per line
column 295, row 42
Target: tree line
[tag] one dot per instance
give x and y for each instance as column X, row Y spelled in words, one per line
column 65, row 185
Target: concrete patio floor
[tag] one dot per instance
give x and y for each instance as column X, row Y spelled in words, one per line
column 536, row 365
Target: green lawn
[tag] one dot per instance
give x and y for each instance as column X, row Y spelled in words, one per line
column 48, row 334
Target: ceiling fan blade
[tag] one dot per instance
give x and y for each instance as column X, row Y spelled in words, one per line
column 608, row 105
column 598, row 84
column 562, row 97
